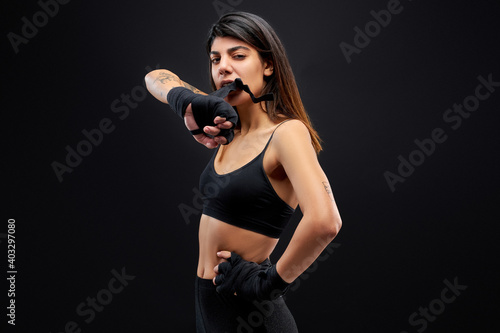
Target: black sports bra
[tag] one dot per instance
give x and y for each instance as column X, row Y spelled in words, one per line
column 245, row 197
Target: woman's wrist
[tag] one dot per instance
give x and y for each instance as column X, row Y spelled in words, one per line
column 282, row 273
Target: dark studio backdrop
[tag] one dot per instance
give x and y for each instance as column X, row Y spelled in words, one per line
column 405, row 96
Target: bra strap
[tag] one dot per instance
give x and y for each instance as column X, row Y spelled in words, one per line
column 284, row 121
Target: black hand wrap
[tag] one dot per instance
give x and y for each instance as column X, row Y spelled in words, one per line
column 249, row 279
column 207, row 107
column 237, row 84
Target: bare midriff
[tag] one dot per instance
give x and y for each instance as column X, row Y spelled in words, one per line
column 215, row 236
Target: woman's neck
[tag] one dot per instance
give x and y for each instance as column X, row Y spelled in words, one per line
column 252, row 117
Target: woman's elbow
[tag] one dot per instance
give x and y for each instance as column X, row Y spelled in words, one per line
column 150, row 78
column 332, row 226
column 328, row 225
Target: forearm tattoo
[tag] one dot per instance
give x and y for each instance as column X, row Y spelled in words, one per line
column 165, row 77
column 190, row 87
column 328, row 189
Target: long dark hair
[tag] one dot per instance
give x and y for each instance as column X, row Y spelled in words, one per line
column 255, row 31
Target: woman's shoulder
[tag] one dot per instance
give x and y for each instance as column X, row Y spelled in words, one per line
column 291, row 127
column 292, row 133
column 292, row 142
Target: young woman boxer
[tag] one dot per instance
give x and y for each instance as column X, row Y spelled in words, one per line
column 266, row 158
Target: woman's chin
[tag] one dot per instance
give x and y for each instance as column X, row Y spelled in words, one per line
column 237, row 98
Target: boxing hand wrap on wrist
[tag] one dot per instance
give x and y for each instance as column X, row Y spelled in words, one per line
column 205, row 109
column 179, row 98
column 249, row 280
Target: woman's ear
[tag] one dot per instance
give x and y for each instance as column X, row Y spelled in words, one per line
column 268, row 68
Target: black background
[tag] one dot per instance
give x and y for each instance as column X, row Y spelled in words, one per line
column 119, row 208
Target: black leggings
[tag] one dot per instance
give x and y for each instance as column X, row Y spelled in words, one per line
column 216, row 313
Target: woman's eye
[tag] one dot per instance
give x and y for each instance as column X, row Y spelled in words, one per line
column 214, row 60
column 239, row 56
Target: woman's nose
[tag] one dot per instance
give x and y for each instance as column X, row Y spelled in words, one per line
column 224, row 66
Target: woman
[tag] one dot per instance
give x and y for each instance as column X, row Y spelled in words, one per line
column 264, row 172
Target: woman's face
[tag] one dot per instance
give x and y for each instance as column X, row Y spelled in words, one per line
column 232, row 58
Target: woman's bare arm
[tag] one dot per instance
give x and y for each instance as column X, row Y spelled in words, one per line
column 321, row 219
column 160, row 81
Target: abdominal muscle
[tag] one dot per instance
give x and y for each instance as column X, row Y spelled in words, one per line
column 215, row 235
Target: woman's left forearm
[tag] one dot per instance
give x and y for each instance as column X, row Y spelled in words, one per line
column 311, row 237
column 160, row 81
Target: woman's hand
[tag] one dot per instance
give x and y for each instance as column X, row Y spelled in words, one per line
column 202, row 138
column 246, row 279
column 224, row 255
